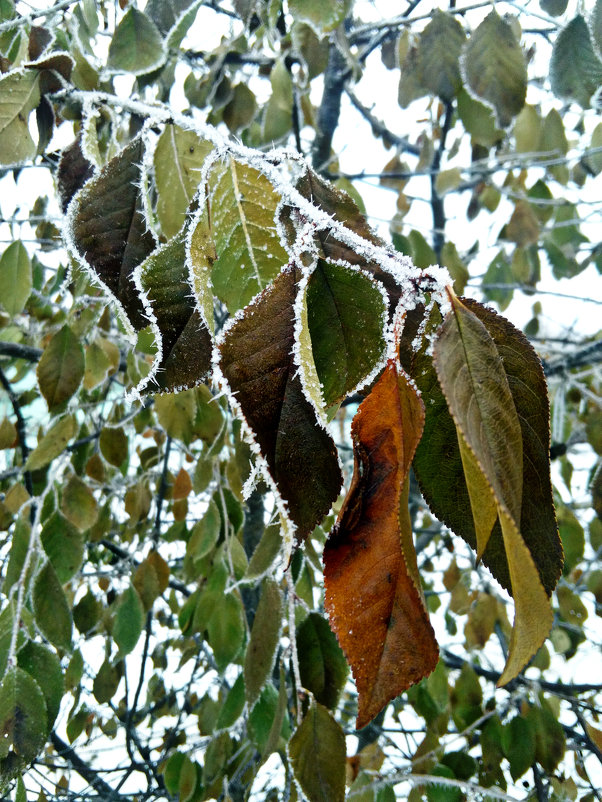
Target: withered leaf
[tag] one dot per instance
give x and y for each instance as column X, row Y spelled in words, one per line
column 109, row 230
column 186, row 344
column 375, row 606
column 342, row 208
column 73, row 172
column 256, row 360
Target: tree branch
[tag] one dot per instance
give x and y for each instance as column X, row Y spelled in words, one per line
column 380, row 129
column 82, row 768
column 588, row 355
column 330, row 108
column 452, row 660
column 21, row 431
column 437, row 204
column 19, row 351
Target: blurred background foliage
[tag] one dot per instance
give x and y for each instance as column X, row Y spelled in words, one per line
column 470, row 136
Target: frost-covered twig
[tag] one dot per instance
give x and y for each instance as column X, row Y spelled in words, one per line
column 29, row 18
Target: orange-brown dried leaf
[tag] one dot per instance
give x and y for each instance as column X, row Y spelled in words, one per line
column 375, row 607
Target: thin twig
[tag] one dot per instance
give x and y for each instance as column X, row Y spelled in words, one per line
column 21, row 429
column 28, row 18
column 82, row 768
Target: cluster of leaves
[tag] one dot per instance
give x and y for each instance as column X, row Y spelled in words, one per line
column 244, row 305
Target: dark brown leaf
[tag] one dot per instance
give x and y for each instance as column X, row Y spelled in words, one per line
column 257, row 362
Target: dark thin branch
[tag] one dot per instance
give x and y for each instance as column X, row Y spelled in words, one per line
column 589, row 355
column 452, row 660
column 540, row 789
column 19, row 351
column 47, row 12
column 330, row 107
column 162, row 490
column 82, row 768
column 591, row 745
column 124, row 555
column 380, row 129
column 437, row 203
column 21, row 429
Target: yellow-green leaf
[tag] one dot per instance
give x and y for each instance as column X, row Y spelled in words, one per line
column 317, row 753
column 136, row 46
column 53, row 443
column 15, row 278
column 61, row 369
column 495, row 67
column 51, row 611
column 178, row 160
column 19, row 95
column 129, row 621
column 476, row 388
column 261, row 650
column 248, row 251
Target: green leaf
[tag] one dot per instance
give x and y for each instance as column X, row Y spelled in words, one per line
column 64, row 546
column 78, row 504
column 50, row 608
column 240, row 111
column 553, row 7
column 263, row 716
column 322, row 664
column 442, row 792
column 346, row 317
column 61, row 369
column 518, row 743
column 265, row 635
column 20, row 545
column 257, row 362
column 339, row 205
column 106, row 682
column 472, row 377
column 19, row 96
column 226, row 630
column 114, row 445
column 248, row 251
column 44, row 666
column 178, row 159
column 53, row 443
column 278, row 114
column 439, row 468
column 233, row 705
column 266, row 552
column 575, row 69
column 136, row 46
column 165, row 14
column 527, row 129
column 86, row 613
column 317, row 754
column 280, row 723
column 321, row 15
column 176, row 414
column 498, row 272
column 495, row 67
column 184, row 357
column 15, row 278
column 129, row 621
column 23, row 722
column 478, row 120
column 550, row 740
column 204, row 534
column 438, row 53
column 595, row 28
column 109, row 232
